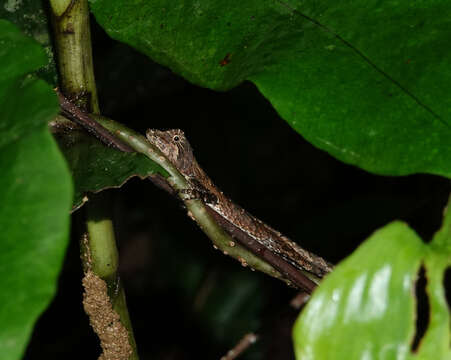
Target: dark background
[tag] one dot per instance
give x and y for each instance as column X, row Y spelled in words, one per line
column 186, row 300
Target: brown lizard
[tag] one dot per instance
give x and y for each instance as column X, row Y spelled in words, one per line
column 282, row 253
column 277, row 250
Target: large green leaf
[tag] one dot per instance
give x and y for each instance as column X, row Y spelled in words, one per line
column 364, row 80
column 366, row 309
column 35, row 192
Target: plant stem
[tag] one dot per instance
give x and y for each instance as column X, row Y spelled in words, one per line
column 72, row 35
column 104, row 257
column 70, row 19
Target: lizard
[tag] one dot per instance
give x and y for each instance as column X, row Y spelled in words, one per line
column 282, row 253
column 286, row 256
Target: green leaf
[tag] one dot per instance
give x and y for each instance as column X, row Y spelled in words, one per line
column 96, row 167
column 364, row 80
column 35, row 192
column 366, row 308
column 30, row 17
column 438, row 336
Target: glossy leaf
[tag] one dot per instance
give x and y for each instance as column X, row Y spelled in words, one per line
column 366, row 309
column 364, row 80
column 35, row 192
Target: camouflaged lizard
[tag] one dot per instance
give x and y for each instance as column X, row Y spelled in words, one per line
column 282, row 253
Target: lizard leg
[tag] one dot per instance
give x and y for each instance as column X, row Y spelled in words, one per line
column 196, row 194
column 190, row 194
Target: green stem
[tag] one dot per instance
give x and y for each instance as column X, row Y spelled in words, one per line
column 70, row 19
column 103, row 251
column 72, row 37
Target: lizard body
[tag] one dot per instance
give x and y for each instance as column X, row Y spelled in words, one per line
column 259, row 237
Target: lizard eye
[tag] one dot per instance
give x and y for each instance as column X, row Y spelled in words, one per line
column 176, row 138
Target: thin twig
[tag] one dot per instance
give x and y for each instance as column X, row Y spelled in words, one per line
column 296, row 303
column 299, row 300
column 246, row 341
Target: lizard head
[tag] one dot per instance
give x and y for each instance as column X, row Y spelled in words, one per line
column 174, row 146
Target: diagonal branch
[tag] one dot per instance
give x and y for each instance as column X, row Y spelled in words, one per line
column 117, row 135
